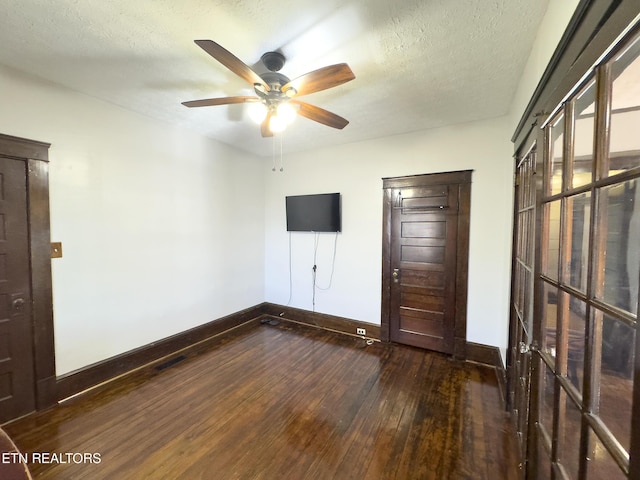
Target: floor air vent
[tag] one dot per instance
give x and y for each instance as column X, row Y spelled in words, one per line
column 270, row 321
column 170, row 363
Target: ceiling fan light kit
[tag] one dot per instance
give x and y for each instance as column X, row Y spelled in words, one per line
column 258, row 112
column 275, row 105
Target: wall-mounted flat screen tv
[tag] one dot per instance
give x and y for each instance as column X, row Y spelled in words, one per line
column 314, row 213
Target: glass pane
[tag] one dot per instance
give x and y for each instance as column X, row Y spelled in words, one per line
column 526, row 196
column 624, row 144
column 621, row 203
column 528, row 296
column 530, row 197
column 517, row 287
column 524, row 247
column 526, row 241
column 600, row 464
column 550, row 309
column 552, row 220
column 544, row 463
column 546, row 405
column 616, row 377
column 556, row 156
column 575, row 342
column 583, row 136
column 569, row 437
column 579, row 208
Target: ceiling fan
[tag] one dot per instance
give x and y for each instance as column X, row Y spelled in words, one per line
column 275, row 104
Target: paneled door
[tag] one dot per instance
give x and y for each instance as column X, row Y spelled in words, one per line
column 17, row 395
column 427, row 258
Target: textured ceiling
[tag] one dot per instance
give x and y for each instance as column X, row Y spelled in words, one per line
column 419, row 64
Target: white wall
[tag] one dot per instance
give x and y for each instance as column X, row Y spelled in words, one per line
column 356, row 171
column 161, row 229
column 550, row 31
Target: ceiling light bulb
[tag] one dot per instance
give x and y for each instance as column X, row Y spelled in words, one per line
column 276, row 124
column 258, row 112
column 287, row 113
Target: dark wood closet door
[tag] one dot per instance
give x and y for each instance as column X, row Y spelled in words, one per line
column 424, row 259
column 425, row 264
column 17, row 395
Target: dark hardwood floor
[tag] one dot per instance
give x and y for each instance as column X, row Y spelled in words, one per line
column 287, row 401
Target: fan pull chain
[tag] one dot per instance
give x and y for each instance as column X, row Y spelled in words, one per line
column 273, row 153
column 281, row 160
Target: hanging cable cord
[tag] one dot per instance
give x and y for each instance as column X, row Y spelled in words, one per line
column 313, row 272
column 273, row 153
column 333, row 264
column 281, row 160
column 315, row 268
column 290, row 273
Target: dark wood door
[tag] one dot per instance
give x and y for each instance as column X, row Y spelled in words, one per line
column 423, row 255
column 17, row 395
column 427, row 261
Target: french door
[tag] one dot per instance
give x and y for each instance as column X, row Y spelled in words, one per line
column 521, row 333
column 578, row 263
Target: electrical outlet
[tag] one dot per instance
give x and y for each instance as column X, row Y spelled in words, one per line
column 361, row 331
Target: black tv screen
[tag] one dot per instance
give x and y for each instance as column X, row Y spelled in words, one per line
column 314, row 213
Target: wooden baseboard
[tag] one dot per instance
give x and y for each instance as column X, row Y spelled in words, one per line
column 321, row 320
column 90, row 376
column 488, row 355
column 87, row 377
column 485, row 354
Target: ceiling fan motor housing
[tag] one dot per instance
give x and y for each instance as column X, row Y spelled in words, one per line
column 275, row 80
column 274, row 61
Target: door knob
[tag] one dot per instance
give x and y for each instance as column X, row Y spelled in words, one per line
column 395, row 274
column 18, row 304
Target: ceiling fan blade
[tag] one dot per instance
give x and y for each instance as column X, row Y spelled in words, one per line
column 232, row 62
column 321, row 115
column 321, row 79
column 265, row 131
column 210, row 102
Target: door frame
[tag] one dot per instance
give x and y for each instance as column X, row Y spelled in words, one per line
column 35, row 155
column 463, row 179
